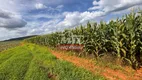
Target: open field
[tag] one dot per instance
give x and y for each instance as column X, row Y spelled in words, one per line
column 109, row 51
column 8, row 44
column 71, row 40
column 33, row 62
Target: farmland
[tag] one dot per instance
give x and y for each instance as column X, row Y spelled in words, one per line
column 71, row 40
column 8, row 44
column 4, row 45
column 121, row 38
column 33, row 62
column 110, row 51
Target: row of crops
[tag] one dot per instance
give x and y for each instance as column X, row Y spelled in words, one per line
column 121, row 38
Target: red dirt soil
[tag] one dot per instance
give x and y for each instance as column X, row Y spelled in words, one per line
column 104, row 71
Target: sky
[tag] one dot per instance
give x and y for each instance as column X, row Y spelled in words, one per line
column 36, row 17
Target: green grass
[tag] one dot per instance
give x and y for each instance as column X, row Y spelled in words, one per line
column 33, row 62
column 8, row 44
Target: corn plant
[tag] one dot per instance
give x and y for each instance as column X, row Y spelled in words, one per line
column 122, row 37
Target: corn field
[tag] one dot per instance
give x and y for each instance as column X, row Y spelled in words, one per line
column 122, row 38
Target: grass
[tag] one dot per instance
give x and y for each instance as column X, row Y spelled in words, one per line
column 104, row 61
column 110, row 61
column 8, row 44
column 33, row 62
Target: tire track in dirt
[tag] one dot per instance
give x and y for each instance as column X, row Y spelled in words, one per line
column 89, row 65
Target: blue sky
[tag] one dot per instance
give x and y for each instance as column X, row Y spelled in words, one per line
column 35, row 17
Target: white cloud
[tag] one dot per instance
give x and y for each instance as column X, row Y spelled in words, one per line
column 7, row 34
column 40, row 6
column 60, row 6
column 10, row 20
column 46, row 16
column 72, row 19
column 104, row 7
column 114, row 5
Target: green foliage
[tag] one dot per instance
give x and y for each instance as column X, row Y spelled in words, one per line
column 33, row 62
column 122, row 38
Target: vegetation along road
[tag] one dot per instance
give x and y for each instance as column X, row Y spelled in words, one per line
column 33, row 62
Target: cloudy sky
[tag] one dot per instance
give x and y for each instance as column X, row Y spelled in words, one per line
column 32, row 17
